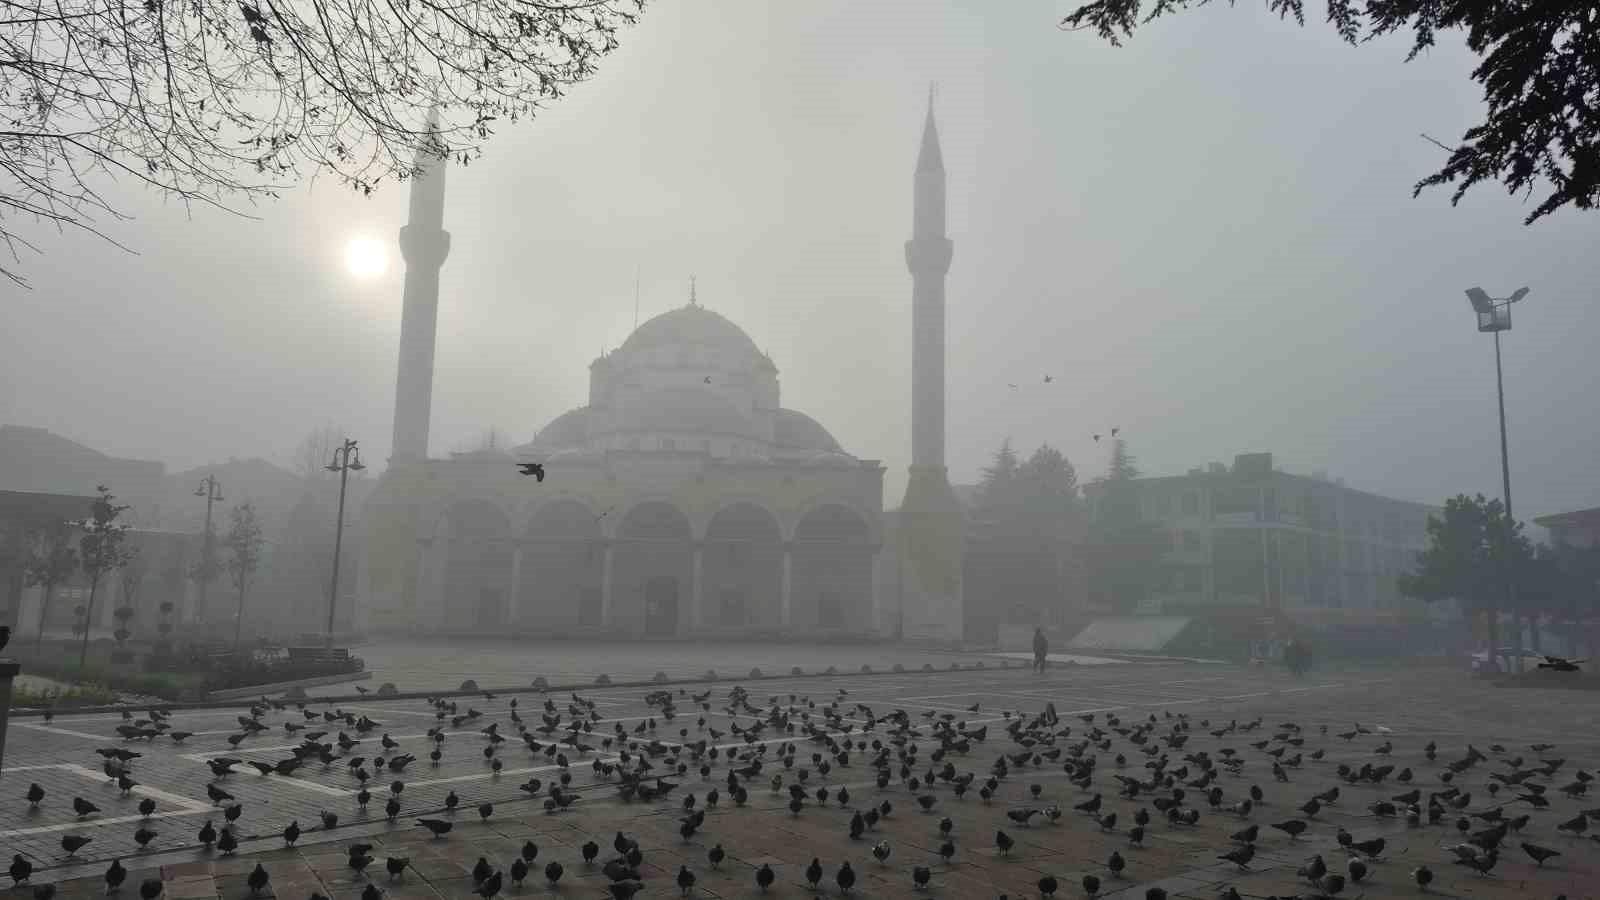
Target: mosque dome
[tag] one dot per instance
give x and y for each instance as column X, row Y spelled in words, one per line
column 570, row 429
column 685, row 409
column 691, row 325
column 796, row 431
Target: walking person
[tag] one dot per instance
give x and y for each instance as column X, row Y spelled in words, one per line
column 1041, row 649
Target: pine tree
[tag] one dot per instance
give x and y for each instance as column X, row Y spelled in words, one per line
column 996, row 490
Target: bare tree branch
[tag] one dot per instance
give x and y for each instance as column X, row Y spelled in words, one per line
column 213, row 101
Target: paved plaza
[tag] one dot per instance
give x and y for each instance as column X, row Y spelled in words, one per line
column 1407, row 708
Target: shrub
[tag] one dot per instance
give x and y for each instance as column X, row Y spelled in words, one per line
column 830, row 671
column 468, row 685
column 387, row 689
column 56, row 698
column 796, row 670
column 660, row 678
column 899, row 668
column 866, row 669
column 756, row 673
column 540, row 684
column 927, row 667
column 980, row 663
column 711, row 675
column 602, row 678
column 954, row 666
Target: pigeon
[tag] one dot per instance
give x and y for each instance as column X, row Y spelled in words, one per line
column 21, row 869
column 764, row 877
column 396, row 865
column 1116, row 864
column 1240, row 856
column 553, row 872
column 257, row 880
column 534, row 469
column 1047, row 886
column 1423, row 876
column 1357, row 870
column 1537, row 853
column 1091, row 885
column 72, row 843
column 1293, row 828
column 83, row 807
column 519, row 871
column 845, row 878
column 1003, row 842
column 439, row 827
column 147, row 807
column 920, row 876
column 115, row 875
column 149, row 889
column 227, row 843
column 143, row 837
column 481, row 870
column 685, row 879
column 291, row 833
column 35, row 794
column 590, row 850
column 491, row 886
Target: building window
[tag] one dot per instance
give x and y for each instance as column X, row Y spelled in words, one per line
column 669, row 444
column 1163, row 505
column 1191, row 503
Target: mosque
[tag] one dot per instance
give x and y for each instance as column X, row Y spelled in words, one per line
column 682, row 499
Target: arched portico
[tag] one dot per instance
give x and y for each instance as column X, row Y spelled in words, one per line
column 741, row 569
column 474, row 560
column 651, row 579
column 561, row 569
column 831, row 569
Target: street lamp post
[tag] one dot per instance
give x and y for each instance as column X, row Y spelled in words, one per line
column 1494, row 316
column 345, row 458
column 210, row 489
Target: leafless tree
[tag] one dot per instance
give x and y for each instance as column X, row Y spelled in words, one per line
column 214, row 101
column 312, row 455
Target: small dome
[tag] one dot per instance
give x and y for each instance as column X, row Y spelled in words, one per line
column 682, row 410
column 691, row 324
column 570, row 429
column 797, row 431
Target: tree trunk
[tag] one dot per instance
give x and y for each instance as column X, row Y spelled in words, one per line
column 88, row 617
column 238, row 620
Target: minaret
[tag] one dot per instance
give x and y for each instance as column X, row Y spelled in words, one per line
column 424, row 243
column 930, row 527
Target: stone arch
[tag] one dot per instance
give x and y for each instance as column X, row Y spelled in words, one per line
column 868, row 517
column 831, row 570
column 741, row 568
column 472, row 539
column 652, row 569
column 563, row 566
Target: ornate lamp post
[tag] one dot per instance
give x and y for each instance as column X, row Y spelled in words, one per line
column 1494, row 316
column 210, row 489
column 345, row 458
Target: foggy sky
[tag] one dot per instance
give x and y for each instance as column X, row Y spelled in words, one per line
column 1207, row 237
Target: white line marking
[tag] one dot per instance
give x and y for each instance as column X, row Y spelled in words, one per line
column 143, row 789
column 66, row 731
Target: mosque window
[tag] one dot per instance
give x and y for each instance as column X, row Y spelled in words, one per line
column 669, row 444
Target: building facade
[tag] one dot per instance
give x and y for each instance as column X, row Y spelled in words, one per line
column 1251, row 536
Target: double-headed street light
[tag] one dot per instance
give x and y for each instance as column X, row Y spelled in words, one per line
column 211, row 490
column 1494, row 316
column 345, row 458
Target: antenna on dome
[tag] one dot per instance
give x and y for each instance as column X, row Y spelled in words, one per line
column 693, row 300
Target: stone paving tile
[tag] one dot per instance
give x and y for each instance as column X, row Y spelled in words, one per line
column 1440, row 707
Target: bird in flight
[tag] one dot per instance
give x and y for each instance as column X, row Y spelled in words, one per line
column 1010, row 385
column 534, row 469
column 708, row 379
column 1049, row 378
column 1097, row 438
column 1114, row 431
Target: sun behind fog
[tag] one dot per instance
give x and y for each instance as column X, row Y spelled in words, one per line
column 365, row 257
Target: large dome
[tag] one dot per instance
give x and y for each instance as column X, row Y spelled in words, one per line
column 690, row 324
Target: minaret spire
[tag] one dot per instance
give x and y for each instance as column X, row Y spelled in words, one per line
column 930, row 528
column 424, row 244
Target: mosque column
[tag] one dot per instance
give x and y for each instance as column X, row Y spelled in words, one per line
column 788, row 580
column 696, row 590
column 605, row 585
column 514, row 604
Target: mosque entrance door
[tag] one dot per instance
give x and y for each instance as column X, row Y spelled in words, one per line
column 661, row 606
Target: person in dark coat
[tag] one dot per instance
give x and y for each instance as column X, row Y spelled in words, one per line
column 1041, row 649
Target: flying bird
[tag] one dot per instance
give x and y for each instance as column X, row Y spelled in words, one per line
column 534, row 469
